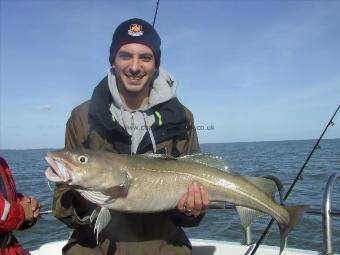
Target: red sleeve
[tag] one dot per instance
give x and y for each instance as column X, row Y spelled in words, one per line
column 12, row 215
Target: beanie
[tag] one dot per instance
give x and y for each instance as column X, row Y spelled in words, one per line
column 136, row 31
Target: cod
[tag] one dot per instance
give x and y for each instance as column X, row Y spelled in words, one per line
column 154, row 183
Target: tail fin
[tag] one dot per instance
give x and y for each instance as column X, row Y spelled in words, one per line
column 295, row 215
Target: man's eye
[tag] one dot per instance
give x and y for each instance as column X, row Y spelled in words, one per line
column 147, row 58
column 124, row 57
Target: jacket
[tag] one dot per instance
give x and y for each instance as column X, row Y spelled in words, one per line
column 12, row 214
column 91, row 126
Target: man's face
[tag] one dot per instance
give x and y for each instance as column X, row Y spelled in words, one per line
column 134, row 67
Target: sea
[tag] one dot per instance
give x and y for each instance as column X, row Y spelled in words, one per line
column 282, row 159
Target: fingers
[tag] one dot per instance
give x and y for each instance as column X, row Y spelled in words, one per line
column 31, row 208
column 27, row 209
column 26, row 199
column 190, row 203
column 35, row 206
column 195, row 202
column 181, row 204
column 205, row 198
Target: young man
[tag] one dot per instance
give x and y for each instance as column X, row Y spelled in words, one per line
column 132, row 110
column 17, row 212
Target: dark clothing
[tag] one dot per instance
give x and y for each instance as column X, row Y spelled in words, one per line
column 91, row 127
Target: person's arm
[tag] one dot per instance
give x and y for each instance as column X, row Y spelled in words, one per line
column 192, row 206
column 18, row 215
column 68, row 205
column 12, row 215
column 31, row 208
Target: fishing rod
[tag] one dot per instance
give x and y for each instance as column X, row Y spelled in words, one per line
column 298, row 177
column 155, row 15
column 45, row 212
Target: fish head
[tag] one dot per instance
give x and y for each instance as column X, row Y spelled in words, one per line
column 93, row 170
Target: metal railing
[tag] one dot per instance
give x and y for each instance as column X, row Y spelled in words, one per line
column 326, row 212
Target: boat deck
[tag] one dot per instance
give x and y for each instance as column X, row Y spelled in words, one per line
column 200, row 247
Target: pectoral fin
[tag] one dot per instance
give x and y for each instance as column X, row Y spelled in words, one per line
column 96, row 197
column 102, row 221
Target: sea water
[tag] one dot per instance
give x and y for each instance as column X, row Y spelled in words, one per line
column 282, row 159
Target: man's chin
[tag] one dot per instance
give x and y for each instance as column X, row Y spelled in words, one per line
column 133, row 88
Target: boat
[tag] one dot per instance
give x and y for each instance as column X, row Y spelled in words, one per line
column 200, row 247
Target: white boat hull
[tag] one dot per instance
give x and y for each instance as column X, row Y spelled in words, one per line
column 200, row 247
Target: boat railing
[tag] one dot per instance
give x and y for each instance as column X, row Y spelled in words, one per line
column 326, row 212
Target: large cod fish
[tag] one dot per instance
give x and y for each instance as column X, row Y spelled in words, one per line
column 153, row 183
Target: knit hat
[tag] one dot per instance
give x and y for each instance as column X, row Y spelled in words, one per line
column 136, row 31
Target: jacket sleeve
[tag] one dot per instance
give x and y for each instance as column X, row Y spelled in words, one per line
column 65, row 198
column 190, row 144
column 12, row 215
column 186, row 147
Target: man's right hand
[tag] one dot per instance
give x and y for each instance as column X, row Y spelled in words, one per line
column 31, row 209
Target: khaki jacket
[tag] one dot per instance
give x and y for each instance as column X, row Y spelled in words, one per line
column 91, row 127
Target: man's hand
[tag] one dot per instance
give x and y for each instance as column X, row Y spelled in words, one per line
column 31, row 209
column 195, row 201
column 35, row 206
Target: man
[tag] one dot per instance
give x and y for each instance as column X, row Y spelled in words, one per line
column 17, row 212
column 132, row 110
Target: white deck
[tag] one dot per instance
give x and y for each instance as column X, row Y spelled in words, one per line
column 200, row 247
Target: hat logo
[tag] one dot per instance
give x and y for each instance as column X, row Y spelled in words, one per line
column 136, row 30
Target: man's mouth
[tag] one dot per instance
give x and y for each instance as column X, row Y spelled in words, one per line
column 135, row 77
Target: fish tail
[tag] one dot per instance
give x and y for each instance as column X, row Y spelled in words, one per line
column 295, row 215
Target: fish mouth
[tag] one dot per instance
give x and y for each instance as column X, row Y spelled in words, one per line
column 57, row 172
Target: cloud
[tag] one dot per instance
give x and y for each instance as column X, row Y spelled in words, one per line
column 44, row 108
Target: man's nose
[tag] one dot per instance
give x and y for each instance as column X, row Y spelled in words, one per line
column 135, row 67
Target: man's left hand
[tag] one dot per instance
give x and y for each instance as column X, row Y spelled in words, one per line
column 195, row 201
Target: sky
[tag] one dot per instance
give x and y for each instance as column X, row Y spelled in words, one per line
column 248, row 70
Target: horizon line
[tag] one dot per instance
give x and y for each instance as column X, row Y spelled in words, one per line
column 266, row 141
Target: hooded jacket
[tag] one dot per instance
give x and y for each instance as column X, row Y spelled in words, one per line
column 101, row 124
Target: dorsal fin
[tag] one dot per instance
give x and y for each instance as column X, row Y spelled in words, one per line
column 266, row 185
column 156, row 156
column 208, row 160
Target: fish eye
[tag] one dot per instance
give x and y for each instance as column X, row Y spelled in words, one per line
column 82, row 159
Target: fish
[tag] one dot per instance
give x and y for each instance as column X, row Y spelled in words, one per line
column 149, row 183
